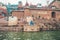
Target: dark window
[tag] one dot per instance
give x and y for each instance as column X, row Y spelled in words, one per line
column 18, row 19
column 39, row 16
column 53, row 14
column 32, row 15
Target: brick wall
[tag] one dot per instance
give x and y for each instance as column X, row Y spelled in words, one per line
column 36, row 13
column 19, row 14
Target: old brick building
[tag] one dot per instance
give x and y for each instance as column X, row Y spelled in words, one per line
column 52, row 11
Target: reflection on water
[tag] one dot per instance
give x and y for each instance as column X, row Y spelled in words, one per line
column 45, row 35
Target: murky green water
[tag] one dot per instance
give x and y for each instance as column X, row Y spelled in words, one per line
column 45, row 35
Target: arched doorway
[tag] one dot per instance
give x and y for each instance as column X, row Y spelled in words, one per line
column 53, row 14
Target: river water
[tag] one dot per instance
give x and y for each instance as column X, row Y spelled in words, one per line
column 44, row 35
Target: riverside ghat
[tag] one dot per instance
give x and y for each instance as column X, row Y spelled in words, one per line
column 14, row 25
column 28, row 25
column 30, row 17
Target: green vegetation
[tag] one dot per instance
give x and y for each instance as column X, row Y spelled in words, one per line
column 44, row 35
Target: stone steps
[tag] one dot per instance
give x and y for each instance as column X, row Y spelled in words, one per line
column 10, row 28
